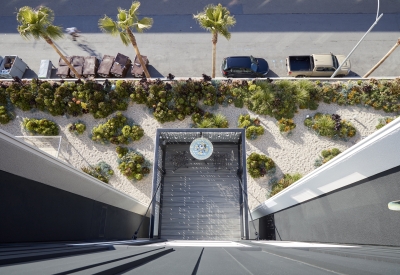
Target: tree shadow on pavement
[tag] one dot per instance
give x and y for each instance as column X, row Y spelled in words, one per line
column 30, row 74
column 154, row 72
column 89, row 50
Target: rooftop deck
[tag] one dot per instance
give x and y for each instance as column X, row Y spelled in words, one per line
column 201, row 199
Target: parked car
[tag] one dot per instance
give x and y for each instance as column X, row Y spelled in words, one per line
column 322, row 65
column 244, row 66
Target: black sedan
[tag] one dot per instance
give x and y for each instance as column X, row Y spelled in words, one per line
column 244, row 66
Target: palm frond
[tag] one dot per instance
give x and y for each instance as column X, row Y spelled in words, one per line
column 124, row 38
column 230, row 21
column 133, row 11
column 26, row 32
column 54, row 32
column 209, row 12
column 216, row 18
column 122, row 15
column 24, row 14
column 145, row 23
column 205, row 23
column 37, row 23
column 224, row 32
column 107, row 25
column 45, row 14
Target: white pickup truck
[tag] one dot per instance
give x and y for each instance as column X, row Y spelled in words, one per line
column 321, row 65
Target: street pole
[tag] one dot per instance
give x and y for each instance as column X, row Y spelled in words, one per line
column 362, row 38
column 383, row 59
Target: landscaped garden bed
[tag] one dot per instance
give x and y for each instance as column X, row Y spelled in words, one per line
column 173, row 104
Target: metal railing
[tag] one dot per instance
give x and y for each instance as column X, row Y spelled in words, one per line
column 44, row 137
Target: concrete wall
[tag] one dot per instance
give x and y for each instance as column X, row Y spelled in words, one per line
column 355, row 214
column 31, row 211
column 45, row 199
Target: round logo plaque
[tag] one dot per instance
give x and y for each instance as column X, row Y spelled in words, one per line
column 201, row 148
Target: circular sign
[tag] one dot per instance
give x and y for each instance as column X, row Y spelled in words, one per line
column 201, row 148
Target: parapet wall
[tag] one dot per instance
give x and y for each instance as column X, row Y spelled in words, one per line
column 44, row 199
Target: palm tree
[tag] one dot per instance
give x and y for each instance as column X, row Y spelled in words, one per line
column 38, row 24
column 217, row 20
column 126, row 20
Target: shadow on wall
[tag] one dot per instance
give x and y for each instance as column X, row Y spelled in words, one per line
column 36, row 212
column 355, row 214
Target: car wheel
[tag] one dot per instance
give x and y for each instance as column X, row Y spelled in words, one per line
column 300, row 76
column 340, row 75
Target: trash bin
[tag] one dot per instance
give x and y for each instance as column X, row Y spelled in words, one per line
column 12, row 66
column 45, row 69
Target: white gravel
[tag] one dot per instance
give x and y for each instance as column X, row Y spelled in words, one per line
column 292, row 153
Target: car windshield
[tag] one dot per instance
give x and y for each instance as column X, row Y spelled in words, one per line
column 254, row 67
column 335, row 61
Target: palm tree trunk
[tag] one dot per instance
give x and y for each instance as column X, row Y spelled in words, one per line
column 133, row 41
column 214, row 52
column 50, row 42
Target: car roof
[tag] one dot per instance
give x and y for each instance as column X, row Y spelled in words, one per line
column 238, row 62
column 323, row 60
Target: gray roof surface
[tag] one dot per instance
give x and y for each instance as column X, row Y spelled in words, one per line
column 243, row 257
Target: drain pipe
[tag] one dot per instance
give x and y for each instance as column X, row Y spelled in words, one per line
column 134, row 237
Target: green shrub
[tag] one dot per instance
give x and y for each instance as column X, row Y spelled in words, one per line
column 326, row 155
column 21, row 96
column 258, row 165
column 102, row 171
column 286, row 125
column 158, row 99
column 179, row 99
column 3, row 95
column 331, row 126
column 244, row 121
column 383, row 121
column 42, row 127
column 121, row 151
column 208, row 120
column 77, row 128
column 132, row 164
column 117, row 131
column 253, row 132
column 5, row 116
column 252, row 126
column 210, row 95
column 286, row 181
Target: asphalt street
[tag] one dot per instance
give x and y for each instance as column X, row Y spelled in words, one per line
column 270, row 29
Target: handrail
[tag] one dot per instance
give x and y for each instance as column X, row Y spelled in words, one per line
column 151, row 202
column 248, row 209
column 59, row 143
